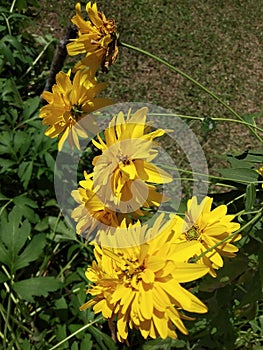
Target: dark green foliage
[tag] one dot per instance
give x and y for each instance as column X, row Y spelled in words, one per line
column 42, row 262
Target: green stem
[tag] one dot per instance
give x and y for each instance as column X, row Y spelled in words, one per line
column 205, row 181
column 205, row 175
column 37, row 58
column 212, row 118
column 14, row 319
column 7, row 320
column 47, row 258
column 68, row 265
column 2, row 312
column 195, row 82
column 75, row 333
column 26, row 122
column 7, row 24
column 4, row 206
column 252, row 221
column 12, row 6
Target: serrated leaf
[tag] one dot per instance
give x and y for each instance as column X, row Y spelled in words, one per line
column 25, row 172
column 13, row 235
column 31, row 252
column 36, row 286
column 25, row 204
column 10, row 231
column 27, row 175
column 24, row 200
column 4, row 256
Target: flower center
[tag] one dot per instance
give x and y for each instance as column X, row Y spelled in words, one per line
column 123, row 158
column 131, row 272
column 193, row 234
column 76, row 112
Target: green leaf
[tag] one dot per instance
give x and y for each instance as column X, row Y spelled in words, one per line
column 13, row 234
column 4, row 50
column 11, row 93
column 49, row 160
column 104, row 341
column 6, row 142
column 25, row 204
column 207, row 125
column 242, row 175
column 4, row 256
column 42, row 225
column 74, row 346
column 250, row 196
column 61, row 334
column 63, row 231
column 253, row 287
column 22, row 200
column 3, row 197
column 3, row 277
column 6, row 165
column 31, row 252
column 260, row 262
column 25, row 172
column 249, row 118
column 158, row 344
column 22, row 142
column 86, row 342
column 36, row 286
column 13, row 41
column 30, row 106
column 229, row 272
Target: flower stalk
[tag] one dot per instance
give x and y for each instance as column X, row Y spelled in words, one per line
column 195, row 82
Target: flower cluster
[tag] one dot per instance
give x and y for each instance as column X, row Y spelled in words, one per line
column 138, row 275
column 123, row 181
column 141, row 284
column 97, row 38
column 69, row 102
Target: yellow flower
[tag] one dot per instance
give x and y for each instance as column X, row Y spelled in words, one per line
column 91, row 212
column 97, row 38
column 141, row 284
column 123, row 171
column 205, row 228
column 68, row 103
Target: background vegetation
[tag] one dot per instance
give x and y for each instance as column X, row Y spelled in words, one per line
column 42, row 261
